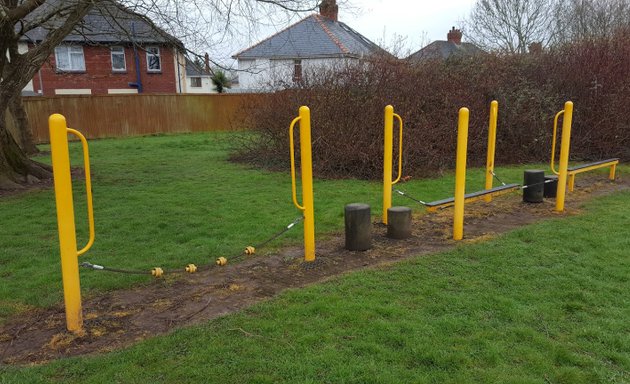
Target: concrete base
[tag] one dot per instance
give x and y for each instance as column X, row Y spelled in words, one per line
column 399, row 222
column 358, row 227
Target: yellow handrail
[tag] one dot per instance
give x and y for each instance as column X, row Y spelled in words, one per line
column 88, row 188
column 553, row 142
column 400, row 146
column 292, row 150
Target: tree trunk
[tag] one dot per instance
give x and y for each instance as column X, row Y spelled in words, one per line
column 16, row 169
column 20, row 119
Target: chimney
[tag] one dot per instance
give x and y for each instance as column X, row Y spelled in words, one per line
column 535, row 48
column 207, row 62
column 329, row 9
column 455, row 36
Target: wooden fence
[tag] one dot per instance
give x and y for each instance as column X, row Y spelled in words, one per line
column 133, row 115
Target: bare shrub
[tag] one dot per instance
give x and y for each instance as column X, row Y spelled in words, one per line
column 347, row 110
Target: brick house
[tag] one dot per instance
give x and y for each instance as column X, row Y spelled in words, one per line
column 110, row 52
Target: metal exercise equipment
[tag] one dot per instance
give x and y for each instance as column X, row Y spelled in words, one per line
column 306, row 165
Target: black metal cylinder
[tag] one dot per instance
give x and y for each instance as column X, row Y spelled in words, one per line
column 551, row 187
column 399, row 222
column 533, row 186
column 358, row 227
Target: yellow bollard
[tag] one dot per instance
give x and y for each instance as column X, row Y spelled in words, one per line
column 306, row 160
column 564, row 155
column 492, row 142
column 65, row 219
column 460, row 174
column 388, row 149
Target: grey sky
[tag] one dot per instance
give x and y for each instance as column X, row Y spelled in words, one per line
column 417, row 20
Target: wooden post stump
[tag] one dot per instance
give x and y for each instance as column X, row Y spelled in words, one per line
column 358, row 227
column 399, row 222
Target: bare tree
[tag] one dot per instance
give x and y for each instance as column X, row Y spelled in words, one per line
column 185, row 19
column 20, row 121
column 509, row 26
column 589, row 19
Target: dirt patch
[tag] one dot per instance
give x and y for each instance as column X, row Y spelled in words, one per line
column 121, row 318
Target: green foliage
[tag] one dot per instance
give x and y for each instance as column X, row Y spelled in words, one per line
column 220, row 81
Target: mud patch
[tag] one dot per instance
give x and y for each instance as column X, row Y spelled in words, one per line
column 121, row 318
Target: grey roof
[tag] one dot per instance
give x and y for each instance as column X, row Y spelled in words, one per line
column 313, row 37
column 195, row 70
column 441, row 49
column 108, row 22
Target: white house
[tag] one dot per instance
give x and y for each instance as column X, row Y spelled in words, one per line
column 198, row 78
column 319, row 40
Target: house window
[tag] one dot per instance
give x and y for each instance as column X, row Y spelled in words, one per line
column 69, row 58
column 297, row 70
column 118, row 59
column 195, row 82
column 154, row 64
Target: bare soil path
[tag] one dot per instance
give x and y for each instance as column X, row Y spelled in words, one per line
column 120, row 318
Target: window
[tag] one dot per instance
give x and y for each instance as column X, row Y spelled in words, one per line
column 195, row 82
column 118, row 59
column 69, row 58
column 297, row 70
column 154, row 63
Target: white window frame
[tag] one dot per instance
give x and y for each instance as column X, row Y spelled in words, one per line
column 118, row 50
column 151, row 54
column 297, row 70
column 196, row 78
column 68, row 51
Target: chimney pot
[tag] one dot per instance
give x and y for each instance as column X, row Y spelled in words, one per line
column 455, row 36
column 329, row 9
column 535, row 48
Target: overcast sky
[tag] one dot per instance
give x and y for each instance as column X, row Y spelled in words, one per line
column 420, row 21
column 384, row 21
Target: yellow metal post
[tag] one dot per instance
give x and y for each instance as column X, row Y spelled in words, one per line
column 387, row 160
column 611, row 174
column 65, row 220
column 388, row 149
column 460, row 174
column 306, row 160
column 492, row 142
column 564, row 155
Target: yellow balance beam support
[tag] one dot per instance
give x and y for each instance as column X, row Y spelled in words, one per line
column 65, row 220
column 564, row 156
column 306, row 160
column 492, row 142
column 460, row 174
column 388, row 149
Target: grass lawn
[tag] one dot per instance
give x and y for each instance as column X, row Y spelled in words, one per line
column 168, row 201
column 547, row 303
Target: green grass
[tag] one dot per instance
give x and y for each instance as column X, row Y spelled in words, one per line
column 168, row 201
column 547, row 303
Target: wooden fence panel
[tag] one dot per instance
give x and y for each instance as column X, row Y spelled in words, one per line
column 134, row 115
